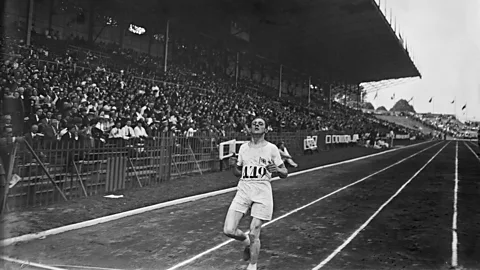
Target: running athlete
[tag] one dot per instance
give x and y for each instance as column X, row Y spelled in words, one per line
column 258, row 160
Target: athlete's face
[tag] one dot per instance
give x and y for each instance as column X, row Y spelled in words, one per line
column 258, row 126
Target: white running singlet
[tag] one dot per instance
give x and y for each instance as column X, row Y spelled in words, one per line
column 254, row 188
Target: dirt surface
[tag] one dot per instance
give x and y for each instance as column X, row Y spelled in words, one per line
column 469, row 207
column 411, row 232
column 64, row 213
column 415, row 230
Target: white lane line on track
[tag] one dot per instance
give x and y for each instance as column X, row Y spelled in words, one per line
column 364, row 225
column 71, row 267
column 471, row 150
column 192, row 259
column 96, row 221
column 474, row 144
column 37, row 265
column 455, row 213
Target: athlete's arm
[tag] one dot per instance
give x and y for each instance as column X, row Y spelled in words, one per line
column 236, row 168
column 237, row 161
column 237, row 171
column 277, row 166
column 282, row 171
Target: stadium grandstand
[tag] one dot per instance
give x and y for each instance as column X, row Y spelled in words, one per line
column 114, row 109
column 155, row 87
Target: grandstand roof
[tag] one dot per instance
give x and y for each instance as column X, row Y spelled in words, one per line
column 350, row 38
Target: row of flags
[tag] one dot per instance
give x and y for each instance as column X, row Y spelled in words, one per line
column 430, row 101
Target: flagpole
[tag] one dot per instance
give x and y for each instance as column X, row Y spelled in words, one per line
column 309, row 86
column 455, row 105
column 466, row 113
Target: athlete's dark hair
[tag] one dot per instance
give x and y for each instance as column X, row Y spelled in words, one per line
column 264, row 120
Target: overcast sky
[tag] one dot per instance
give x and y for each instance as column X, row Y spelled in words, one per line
column 444, row 36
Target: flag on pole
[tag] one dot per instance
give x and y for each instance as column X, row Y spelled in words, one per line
column 430, row 101
column 464, row 107
column 395, row 29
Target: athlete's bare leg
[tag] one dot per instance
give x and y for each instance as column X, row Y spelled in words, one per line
column 254, row 236
column 230, row 227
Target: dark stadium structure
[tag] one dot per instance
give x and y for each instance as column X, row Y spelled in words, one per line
column 341, row 40
column 119, row 118
column 118, row 94
column 347, row 41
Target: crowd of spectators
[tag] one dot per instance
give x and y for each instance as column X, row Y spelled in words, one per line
column 50, row 96
column 447, row 124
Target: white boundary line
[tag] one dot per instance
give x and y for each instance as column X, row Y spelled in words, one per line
column 96, row 221
column 37, row 265
column 364, row 225
column 455, row 214
column 475, row 144
column 188, row 261
column 471, row 150
column 86, row 267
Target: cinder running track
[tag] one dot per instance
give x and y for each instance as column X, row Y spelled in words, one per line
column 400, row 215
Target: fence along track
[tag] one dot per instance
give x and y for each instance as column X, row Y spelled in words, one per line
column 91, row 168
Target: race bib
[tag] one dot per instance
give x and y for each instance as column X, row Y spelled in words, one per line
column 250, row 172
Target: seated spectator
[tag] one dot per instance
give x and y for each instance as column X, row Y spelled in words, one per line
column 34, row 138
column 381, row 144
column 116, row 131
column 140, row 131
column 71, row 135
column 286, row 157
column 154, row 129
column 5, row 121
column 49, row 132
column 191, row 131
column 127, row 131
column 101, row 128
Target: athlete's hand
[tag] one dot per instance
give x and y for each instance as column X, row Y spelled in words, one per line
column 272, row 168
column 233, row 161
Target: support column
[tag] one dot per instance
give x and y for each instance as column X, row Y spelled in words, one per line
column 165, row 57
column 309, row 86
column 359, row 96
column 29, row 22
column 51, row 13
column 329, row 85
column 280, row 82
column 121, row 31
column 91, row 21
column 237, row 62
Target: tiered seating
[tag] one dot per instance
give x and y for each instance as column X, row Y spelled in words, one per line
column 63, row 97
